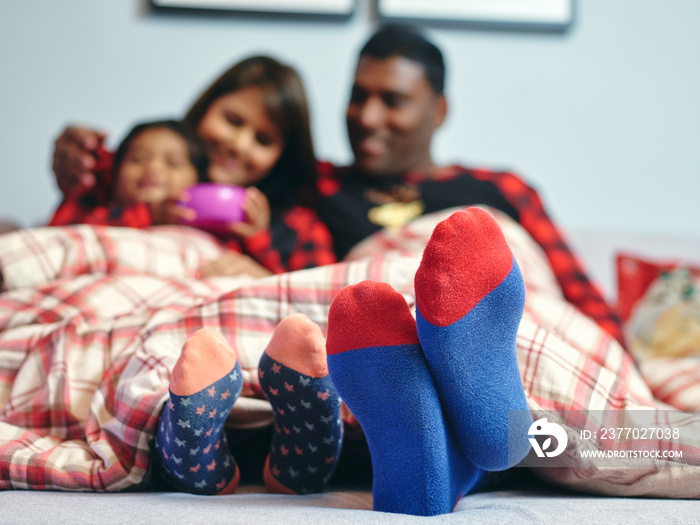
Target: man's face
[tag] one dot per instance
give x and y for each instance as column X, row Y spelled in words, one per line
column 391, row 117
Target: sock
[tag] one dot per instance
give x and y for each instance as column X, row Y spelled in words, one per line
column 377, row 365
column 469, row 302
column 191, row 443
column 308, row 431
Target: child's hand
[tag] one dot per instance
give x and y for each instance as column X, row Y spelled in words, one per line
column 256, row 210
column 173, row 211
column 231, row 264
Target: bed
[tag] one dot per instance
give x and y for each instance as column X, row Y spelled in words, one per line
column 92, row 320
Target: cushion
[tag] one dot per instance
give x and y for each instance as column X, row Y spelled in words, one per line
column 635, row 275
column 665, row 322
column 660, row 305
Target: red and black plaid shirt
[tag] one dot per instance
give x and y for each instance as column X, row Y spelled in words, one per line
column 348, row 198
column 295, row 240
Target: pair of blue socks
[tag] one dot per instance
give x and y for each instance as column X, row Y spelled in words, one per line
column 434, row 394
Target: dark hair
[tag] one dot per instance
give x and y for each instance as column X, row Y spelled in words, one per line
column 293, row 175
column 407, row 42
column 195, row 146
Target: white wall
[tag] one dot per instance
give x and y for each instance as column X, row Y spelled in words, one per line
column 605, row 119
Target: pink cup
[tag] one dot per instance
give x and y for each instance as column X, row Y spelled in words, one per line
column 216, row 205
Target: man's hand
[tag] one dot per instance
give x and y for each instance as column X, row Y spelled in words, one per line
column 231, row 264
column 74, row 159
column 256, row 209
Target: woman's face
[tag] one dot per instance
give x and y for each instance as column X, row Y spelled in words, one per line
column 156, row 167
column 242, row 142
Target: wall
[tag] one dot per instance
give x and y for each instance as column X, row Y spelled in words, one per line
column 604, row 119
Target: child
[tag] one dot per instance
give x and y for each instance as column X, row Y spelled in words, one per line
column 153, row 164
column 254, row 123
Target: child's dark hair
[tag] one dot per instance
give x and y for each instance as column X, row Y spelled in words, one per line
column 195, row 146
column 293, row 176
column 407, row 42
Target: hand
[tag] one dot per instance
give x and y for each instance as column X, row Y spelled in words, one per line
column 231, row 264
column 172, row 211
column 256, row 210
column 74, row 159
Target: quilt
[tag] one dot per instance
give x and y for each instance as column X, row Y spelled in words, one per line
column 92, row 320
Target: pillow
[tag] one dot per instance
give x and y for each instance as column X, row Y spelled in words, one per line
column 635, row 275
column 665, row 323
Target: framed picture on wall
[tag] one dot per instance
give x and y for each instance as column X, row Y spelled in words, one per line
column 293, row 7
column 554, row 15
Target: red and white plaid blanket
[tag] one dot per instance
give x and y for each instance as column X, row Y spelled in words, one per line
column 92, row 319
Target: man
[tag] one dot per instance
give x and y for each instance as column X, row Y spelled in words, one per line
column 396, row 104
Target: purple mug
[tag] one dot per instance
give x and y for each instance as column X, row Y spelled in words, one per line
column 215, row 204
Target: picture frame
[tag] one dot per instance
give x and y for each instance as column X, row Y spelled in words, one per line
column 322, row 8
column 545, row 15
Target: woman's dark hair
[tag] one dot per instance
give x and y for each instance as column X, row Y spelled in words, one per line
column 293, row 176
column 195, row 146
column 407, row 42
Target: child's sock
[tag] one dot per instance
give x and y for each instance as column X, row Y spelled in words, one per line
column 191, row 443
column 308, row 430
column 469, row 302
column 377, row 365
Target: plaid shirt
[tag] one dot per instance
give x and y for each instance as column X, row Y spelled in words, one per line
column 353, row 207
column 295, row 240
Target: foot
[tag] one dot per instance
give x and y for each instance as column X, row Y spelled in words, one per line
column 191, row 443
column 378, row 367
column 308, row 431
column 469, row 302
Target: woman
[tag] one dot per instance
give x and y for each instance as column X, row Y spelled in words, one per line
column 254, row 122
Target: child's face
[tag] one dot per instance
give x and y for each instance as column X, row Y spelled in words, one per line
column 156, row 167
column 242, row 142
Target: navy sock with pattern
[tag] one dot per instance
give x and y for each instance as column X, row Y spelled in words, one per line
column 191, row 445
column 308, row 430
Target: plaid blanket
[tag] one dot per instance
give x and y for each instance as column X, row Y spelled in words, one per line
column 92, row 319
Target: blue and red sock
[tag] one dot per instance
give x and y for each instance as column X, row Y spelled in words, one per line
column 308, row 431
column 469, row 302
column 191, row 445
column 377, row 365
